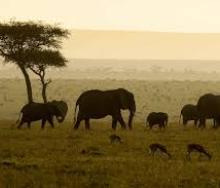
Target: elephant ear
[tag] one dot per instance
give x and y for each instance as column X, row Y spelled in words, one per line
column 123, row 98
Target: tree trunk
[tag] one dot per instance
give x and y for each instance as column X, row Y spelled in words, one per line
column 28, row 83
column 44, row 87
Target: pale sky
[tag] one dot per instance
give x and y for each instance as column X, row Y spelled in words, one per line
column 150, row 15
column 199, row 16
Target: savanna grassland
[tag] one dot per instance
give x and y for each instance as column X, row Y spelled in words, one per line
column 62, row 157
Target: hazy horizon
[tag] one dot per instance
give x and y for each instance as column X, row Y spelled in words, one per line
column 92, row 44
column 142, row 35
column 127, row 70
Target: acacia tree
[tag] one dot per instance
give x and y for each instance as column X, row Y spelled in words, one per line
column 16, row 38
column 40, row 61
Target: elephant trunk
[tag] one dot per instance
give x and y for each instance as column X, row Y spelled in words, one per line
column 60, row 119
column 131, row 116
column 62, row 109
column 62, row 116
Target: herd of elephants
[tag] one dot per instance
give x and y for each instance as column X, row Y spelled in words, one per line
column 96, row 104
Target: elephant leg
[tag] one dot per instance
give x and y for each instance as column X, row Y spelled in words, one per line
column 199, row 125
column 43, row 123
column 114, row 123
column 163, row 124
column 20, row 124
column 184, row 122
column 76, row 126
column 50, row 120
column 87, row 124
column 195, row 122
column 29, row 124
column 214, row 123
column 202, row 123
column 121, row 121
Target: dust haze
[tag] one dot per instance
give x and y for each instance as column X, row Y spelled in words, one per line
column 136, row 55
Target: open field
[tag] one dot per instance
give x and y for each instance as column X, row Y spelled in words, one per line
column 54, row 157
column 167, row 96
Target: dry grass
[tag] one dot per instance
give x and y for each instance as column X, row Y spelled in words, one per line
column 54, row 157
column 62, row 157
column 167, row 96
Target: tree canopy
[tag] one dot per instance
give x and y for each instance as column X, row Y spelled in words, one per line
column 31, row 45
column 39, row 61
column 17, row 37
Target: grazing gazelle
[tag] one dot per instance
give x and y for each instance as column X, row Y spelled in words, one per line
column 158, row 147
column 197, row 148
column 115, row 139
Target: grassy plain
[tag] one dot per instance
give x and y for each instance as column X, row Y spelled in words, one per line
column 167, row 96
column 62, row 157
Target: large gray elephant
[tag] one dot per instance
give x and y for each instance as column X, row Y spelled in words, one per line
column 96, row 104
column 45, row 112
column 157, row 118
column 189, row 112
column 209, row 107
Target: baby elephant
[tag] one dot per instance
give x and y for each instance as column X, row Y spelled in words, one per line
column 115, row 139
column 197, row 148
column 157, row 118
column 158, row 147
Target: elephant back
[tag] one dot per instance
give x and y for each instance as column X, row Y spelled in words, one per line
column 209, row 105
column 151, row 116
column 162, row 115
column 28, row 108
column 189, row 110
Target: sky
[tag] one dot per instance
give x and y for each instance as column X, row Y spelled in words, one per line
column 120, row 18
column 148, row 15
column 142, row 45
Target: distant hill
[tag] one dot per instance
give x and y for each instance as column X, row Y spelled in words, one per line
column 136, row 55
column 89, row 44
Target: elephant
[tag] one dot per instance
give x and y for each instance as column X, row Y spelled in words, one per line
column 96, row 104
column 44, row 112
column 209, row 107
column 189, row 112
column 157, row 118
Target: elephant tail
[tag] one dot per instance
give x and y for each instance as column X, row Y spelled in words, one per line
column 180, row 117
column 19, row 118
column 17, row 121
column 74, row 119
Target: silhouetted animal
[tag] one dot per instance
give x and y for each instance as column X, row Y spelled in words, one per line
column 189, row 112
column 197, row 148
column 158, row 147
column 209, row 107
column 45, row 112
column 115, row 139
column 157, row 118
column 96, row 104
